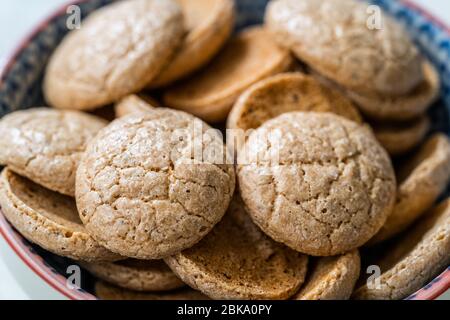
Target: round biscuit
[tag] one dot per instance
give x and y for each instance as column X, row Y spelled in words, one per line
column 317, row 182
column 145, row 191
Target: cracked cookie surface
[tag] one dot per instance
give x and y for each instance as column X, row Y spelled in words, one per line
column 317, row 182
column 134, row 103
column 119, row 50
column 138, row 275
column 143, row 189
column 48, row 219
column 414, row 259
column 45, row 145
column 333, row 37
column 331, row 278
column 236, row 260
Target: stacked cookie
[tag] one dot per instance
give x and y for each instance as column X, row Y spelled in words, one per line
column 157, row 205
column 375, row 64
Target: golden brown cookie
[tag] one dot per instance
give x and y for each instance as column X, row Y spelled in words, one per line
column 283, row 93
column 247, row 58
column 209, row 24
column 400, row 137
column 45, row 145
column 144, row 193
column 422, row 179
column 317, row 182
column 333, row 37
column 236, row 260
column 414, row 259
column 48, row 219
column 134, row 103
column 118, row 50
column 138, row 275
column 331, row 278
column 405, row 107
column 106, row 291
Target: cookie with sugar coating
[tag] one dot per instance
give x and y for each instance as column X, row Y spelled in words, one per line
column 331, row 278
column 119, row 49
column 422, row 179
column 209, row 25
column 317, row 182
column 287, row 92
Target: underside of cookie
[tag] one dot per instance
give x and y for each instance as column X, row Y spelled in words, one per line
column 247, row 58
column 209, row 24
column 45, row 145
column 237, row 261
column 400, row 137
column 422, row 179
column 138, row 275
column 48, row 219
column 106, row 291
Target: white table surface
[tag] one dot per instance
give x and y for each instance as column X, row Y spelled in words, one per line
column 17, row 17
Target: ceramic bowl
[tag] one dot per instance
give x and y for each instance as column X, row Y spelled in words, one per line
column 20, row 87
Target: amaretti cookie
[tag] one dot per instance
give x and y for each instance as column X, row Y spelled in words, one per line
column 283, row 93
column 331, row 278
column 209, row 24
column 106, row 291
column 134, row 103
column 333, row 37
column 317, row 182
column 45, row 145
column 236, row 260
column 48, row 219
column 145, row 191
column 404, row 107
column 247, row 58
column 400, row 137
column 138, row 275
column 414, row 259
column 119, row 50
column 422, row 179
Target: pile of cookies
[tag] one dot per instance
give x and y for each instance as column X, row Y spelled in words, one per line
column 158, row 205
